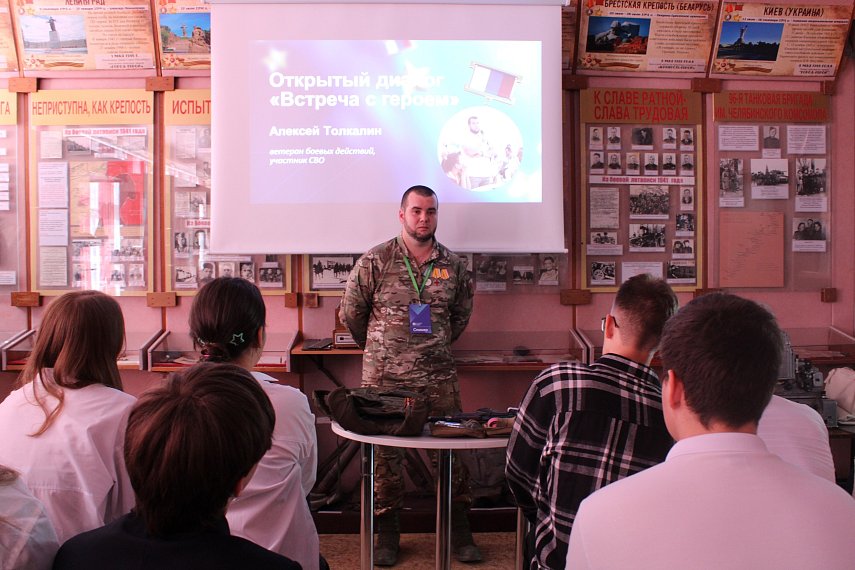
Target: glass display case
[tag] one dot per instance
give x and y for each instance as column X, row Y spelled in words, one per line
column 14, row 351
column 823, row 346
column 91, row 191
column 187, row 203
column 17, row 349
column 8, row 338
column 517, row 350
column 11, row 200
column 172, row 351
column 593, row 341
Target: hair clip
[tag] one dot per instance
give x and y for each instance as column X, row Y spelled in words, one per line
column 237, row 339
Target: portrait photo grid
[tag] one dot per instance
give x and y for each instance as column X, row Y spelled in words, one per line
column 641, row 202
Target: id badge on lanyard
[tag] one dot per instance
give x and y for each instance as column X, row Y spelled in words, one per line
column 420, row 321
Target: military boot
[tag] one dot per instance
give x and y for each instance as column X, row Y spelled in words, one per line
column 388, row 539
column 461, row 536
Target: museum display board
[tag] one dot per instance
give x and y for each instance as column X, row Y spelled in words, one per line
column 774, row 208
column 57, row 36
column 780, row 40
column 12, row 238
column 8, row 55
column 184, row 36
column 187, row 205
column 642, row 197
column 634, row 36
column 90, row 188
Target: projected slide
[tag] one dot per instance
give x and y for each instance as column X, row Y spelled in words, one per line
column 356, row 121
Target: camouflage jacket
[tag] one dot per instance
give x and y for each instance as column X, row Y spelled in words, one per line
column 375, row 308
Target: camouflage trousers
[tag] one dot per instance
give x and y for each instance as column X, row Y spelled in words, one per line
column 444, row 398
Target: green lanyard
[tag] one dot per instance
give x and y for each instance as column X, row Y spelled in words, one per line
column 413, row 278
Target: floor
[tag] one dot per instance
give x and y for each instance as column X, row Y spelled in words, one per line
column 417, row 551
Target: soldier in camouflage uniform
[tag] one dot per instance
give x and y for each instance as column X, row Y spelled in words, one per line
column 412, row 269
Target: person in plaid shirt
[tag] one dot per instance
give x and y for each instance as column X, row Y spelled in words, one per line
column 581, row 427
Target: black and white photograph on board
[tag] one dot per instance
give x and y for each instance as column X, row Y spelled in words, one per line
column 602, row 273
column 651, row 164
column 642, row 138
column 491, row 273
column 683, row 248
column 810, row 234
column 685, row 224
column 136, row 275
column 811, row 185
column 595, row 137
column 687, row 138
column 226, row 269
column 614, row 166
column 604, row 243
column 548, row 269
column 597, row 164
column 681, row 271
column 185, row 277
column 247, row 271
column 669, row 137
column 523, row 274
column 731, row 183
column 329, row 272
column 613, row 137
column 648, row 237
column 633, row 164
column 687, row 198
column 649, row 202
column 770, row 179
column 687, row 164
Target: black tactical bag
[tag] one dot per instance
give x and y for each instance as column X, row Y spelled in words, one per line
column 375, row 411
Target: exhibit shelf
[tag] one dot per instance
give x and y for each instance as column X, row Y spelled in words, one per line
column 173, row 351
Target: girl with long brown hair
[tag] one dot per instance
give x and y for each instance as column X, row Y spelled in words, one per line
column 63, row 429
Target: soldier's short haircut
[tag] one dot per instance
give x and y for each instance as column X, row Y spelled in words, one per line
column 727, row 351
column 189, row 443
column 646, row 303
column 423, row 191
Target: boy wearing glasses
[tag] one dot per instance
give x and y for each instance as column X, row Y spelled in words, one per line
column 581, row 427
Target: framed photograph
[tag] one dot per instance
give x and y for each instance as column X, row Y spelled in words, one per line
column 247, row 271
column 226, row 269
column 549, row 273
column 329, row 273
column 614, row 139
column 491, row 273
column 649, row 202
column 270, row 274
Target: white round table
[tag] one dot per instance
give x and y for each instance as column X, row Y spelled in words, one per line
column 444, row 445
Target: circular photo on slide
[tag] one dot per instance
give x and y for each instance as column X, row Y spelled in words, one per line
column 480, row 148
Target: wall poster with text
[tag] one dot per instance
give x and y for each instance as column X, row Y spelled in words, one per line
column 642, row 200
column 646, row 36
column 798, row 40
column 184, row 34
column 109, row 35
column 91, row 190
column 772, row 150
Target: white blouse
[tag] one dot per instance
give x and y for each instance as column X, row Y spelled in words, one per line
column 272, row 511
column 76, row 468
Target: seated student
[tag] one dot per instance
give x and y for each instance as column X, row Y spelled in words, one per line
column 797, row 434
column 27, row 539
column 720, row 499
column 191, row 445
column 581, row 427
column 227, row 322
column 63, row 429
